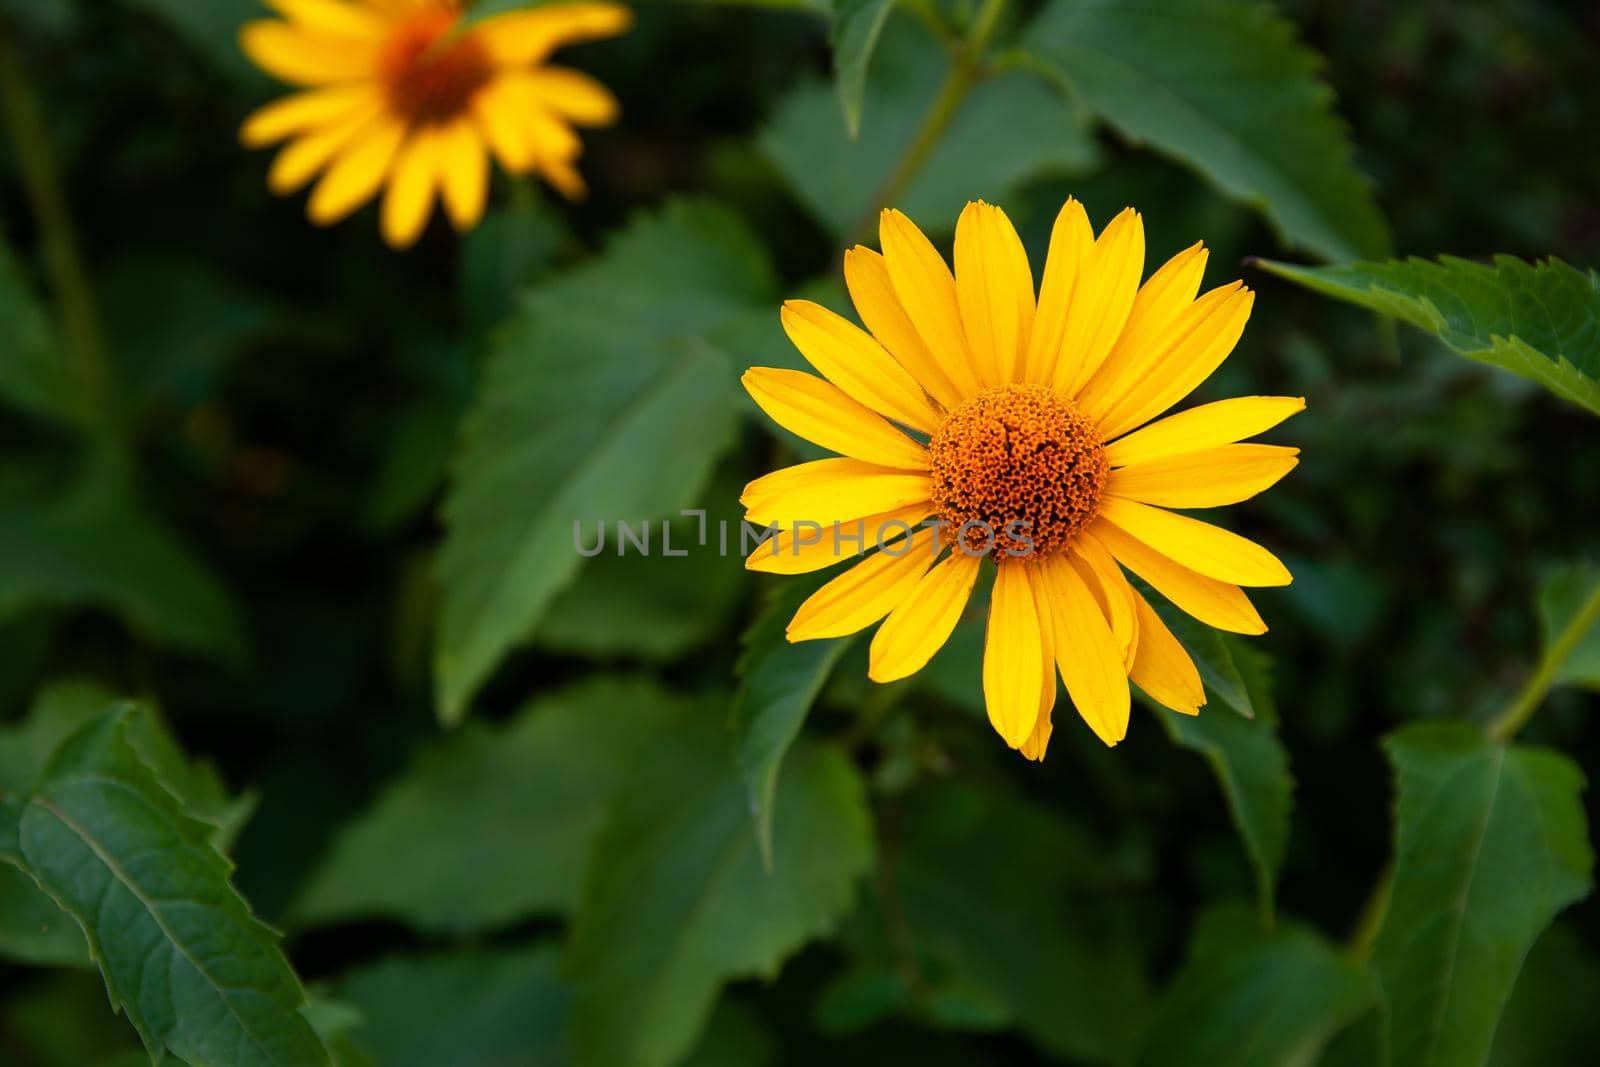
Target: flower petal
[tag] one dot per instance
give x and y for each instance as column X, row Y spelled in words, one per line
column 1013, row 658
column 1206, row 426
column 1071, row 242
column 866, row 592
column 290, row 54
column 921, row 625
column 300, row 160
column 1162, row 668
column 867, row 277
column 332, row 18
column 848, row 357
column 927, row 290
column 1213, row 478
column 1039, row 740
column 305, row 111
column 1200, row 546
column 357, row 175
column 1186, row 353
column 820, row 412
column 409, row 201
column 826, row 490
column 575, row 96
column 1111, row 591
column 1087, row 653
column 1165, row 296
column 994, row 289
column 523, row 38
column 1212, row 602
column 463, row 173
column 1101, row 301
column 817, row 546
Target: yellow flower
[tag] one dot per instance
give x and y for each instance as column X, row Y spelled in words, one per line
column 1015, row 422
column 399, row 93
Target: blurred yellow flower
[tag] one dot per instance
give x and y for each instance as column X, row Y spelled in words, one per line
column 400, row 93
column 1031, row 411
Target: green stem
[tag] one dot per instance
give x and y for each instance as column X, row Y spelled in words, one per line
column 966, row 71
column 1371, row 919
column 1505, row 725
column 80, row 322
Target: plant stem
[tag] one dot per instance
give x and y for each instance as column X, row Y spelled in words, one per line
column 1505, row 725
column 967, row 70
column 80, row 323
column 1372, row 913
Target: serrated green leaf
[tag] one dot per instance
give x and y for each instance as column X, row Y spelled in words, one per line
column 857, row 25
column 676, row 900
column 1225, row 87
column 181, row 954
column 483, row 9
column 1562, row 596
column 1011, row 129
column 1490, row 844
column 1007, row 921
column 1539, row 321
column 34, row 372
column 108, row 554
column 601, row 403
column 494, row 823
column 1248, row 998
column 779, row 682
column 484, row 1008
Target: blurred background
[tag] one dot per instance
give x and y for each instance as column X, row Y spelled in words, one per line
column 294, row 398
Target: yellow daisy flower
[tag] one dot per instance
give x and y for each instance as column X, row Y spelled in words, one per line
column 399, row 93
column 1019, row 424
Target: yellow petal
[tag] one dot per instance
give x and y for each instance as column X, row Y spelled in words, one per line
column 1213, row 478
column 1071, row 242
column 332, row 18
column 1162, row 668
column 564, row 178
column 409, row 202
column 1193, row 346
column 300, row 160
column 299, row 58
column 1013, row 659
column 821, row 413
column 548, row 136
column 927, row 290
column 867, row 277
column 826, row 490
column 1206, row 426
column 1101, row 300
column 1212, row 602
column 1111, row 591
column 463, row 173
column 305, row 111
column 575, row 96
column 1167, row 294
column 994, row 289
column 866, row 592
column 922, row 623
column 1087, row 653
column 359, row 172
column 500, row 120
column 1210, row 550
column 523, row 38
column 849, row 358
column 821, row 545
column 1039, row 740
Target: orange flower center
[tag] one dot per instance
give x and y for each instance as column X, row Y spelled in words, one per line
column 1023, row 464
column 430, row 74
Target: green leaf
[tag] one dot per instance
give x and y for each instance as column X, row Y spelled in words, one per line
column 181, row 954
column 484, row 1008
column 857, row 25
column 1561, row 597
column 1539, row 321
column 1550, row 1017
column 1225, row 87
column 1222, row 661
column 1010, row 130
column 493, row 823
column 1248, row 998
column 34, row 373
column 779, row 683
column 676, row 900
column 1490, row 844
column 106, row 553
column 602, row 403
column 1010, row 917
column 483, row 9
